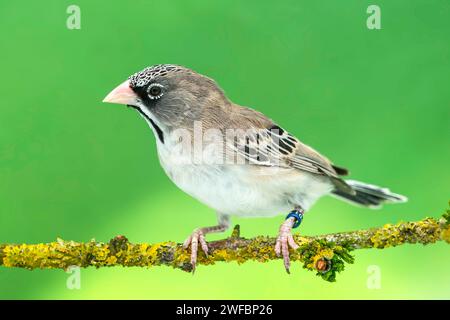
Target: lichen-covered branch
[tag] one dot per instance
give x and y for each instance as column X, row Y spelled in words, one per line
column 325, row 254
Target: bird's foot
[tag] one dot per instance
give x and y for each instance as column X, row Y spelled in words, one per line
column 285, row 238
column 198, row 236
column 193, row 240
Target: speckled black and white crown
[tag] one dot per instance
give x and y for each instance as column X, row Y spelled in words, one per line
column 142, row 78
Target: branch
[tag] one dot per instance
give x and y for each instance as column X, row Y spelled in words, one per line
column 325, row 254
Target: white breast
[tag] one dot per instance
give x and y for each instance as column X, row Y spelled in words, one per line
column 241, row 190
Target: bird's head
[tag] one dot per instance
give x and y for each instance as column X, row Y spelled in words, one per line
column 169, row 96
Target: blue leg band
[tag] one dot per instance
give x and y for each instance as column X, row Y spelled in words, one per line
column 297, row 215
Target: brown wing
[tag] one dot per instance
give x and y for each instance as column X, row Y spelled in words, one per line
column 268, row 144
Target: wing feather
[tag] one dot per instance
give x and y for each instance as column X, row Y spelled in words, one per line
column 274, row 146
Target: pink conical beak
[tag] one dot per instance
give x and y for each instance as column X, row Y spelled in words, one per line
column 122, row 94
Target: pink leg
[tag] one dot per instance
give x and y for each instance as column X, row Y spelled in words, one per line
column 284, row 241
column 198, row 236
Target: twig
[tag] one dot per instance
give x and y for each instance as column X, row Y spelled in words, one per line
column 325, row 254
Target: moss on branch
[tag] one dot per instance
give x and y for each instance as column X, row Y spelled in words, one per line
column 325, row 254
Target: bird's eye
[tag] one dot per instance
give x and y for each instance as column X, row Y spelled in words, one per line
column 155, row 91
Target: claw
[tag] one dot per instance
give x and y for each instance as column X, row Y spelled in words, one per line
column 284, row 241
column 193, row 240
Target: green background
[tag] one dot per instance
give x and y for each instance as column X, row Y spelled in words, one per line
column 375, row 101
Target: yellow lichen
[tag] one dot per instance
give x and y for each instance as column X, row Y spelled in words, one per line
column 110, row 261
column 445, row 234
column 334, row 249
column 322, row 254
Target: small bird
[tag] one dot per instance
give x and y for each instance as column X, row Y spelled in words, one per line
column 232, row 158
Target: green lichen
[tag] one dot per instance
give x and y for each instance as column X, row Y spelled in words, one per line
column 333, row 255
column 445, row 226
column 326, row 255
column 446, row 217
column 391, row 235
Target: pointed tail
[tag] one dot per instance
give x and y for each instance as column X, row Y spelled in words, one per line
column 369, row 195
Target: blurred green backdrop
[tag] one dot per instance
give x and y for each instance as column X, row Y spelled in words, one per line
column 375, row 101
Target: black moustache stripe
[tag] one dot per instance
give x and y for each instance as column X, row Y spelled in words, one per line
column 155, row 126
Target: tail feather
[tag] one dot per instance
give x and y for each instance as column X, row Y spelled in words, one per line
column 369, row 195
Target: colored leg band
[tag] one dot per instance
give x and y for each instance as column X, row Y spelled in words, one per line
column 297, row 215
